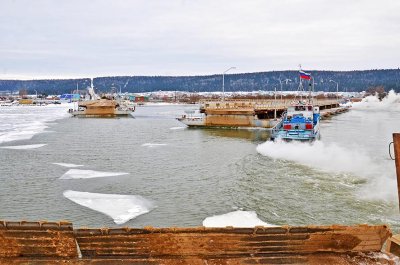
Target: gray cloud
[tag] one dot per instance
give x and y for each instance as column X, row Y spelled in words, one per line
column 98, row 37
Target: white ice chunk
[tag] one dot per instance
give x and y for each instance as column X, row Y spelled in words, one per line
column 177, row 128
column 235, row 219
column 152, row 144
column 87, row 174
column 67, row 165
column 121, row 208
column 20, row 147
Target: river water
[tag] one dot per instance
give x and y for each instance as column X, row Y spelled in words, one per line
column 151, row 170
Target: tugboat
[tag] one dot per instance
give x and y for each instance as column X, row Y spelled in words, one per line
column 301, row 120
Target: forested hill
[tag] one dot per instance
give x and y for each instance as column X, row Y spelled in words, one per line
column 348, row 81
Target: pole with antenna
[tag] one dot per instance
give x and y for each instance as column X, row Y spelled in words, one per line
column 396, row 144
column 300, row 89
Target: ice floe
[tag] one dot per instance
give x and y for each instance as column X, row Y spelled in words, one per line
column 22, row 147
column 236, row 219
column 87, row 174
column 177, row 128
column 23, row 122
column 121, row 208
column 152, row 144
column 67, row 165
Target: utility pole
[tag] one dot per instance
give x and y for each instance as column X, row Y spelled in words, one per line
column 337, row 89
column 223, row 82
column 396, row 144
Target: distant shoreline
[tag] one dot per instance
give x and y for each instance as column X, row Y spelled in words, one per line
column 324, row 80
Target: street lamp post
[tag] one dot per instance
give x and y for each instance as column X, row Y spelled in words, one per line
column 286, row 81
column 337, row 89
column 223, row 82
column 36, row 93
column 275, row 103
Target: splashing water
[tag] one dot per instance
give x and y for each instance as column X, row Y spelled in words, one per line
column 334, row 158
column 390, row 102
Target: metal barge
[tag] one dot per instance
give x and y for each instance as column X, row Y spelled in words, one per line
column 101, row 108
column 248, row 113
column 59, row 243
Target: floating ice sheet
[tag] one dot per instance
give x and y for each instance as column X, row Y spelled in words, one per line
column 21, row 147
column 152, row 144
column 67, row 165
column 87, row 174
column 23, row 122
column 121, row 208
column 235, row 219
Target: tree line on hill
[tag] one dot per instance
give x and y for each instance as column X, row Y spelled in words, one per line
column 351, row 81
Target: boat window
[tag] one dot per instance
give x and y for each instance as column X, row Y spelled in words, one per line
column 300, row 108
column 310, row 108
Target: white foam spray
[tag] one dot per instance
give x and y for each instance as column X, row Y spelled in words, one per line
column 236, row 219
column 390, row 102
column 121, row 208
column 334, row 158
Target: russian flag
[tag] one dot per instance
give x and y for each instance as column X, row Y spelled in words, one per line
column 304, row 75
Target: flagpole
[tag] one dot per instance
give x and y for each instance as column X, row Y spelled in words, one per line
column 300, row 88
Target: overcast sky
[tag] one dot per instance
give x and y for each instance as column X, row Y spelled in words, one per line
column 83, row 38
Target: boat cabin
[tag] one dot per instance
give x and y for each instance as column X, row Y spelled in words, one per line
column 301, row 117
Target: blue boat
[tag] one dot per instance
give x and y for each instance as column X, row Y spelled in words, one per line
column 300, row 122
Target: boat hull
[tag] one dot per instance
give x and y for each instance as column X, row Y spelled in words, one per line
column 228, row 122
column 101, row 108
